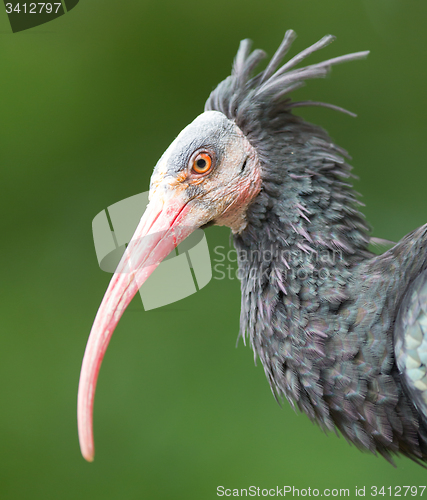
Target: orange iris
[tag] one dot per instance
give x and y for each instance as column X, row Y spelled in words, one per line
column 202, row 163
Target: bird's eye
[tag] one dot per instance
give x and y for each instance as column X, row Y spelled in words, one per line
column 202, row 163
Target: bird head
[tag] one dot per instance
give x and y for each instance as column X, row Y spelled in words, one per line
column 210, row 171
column 210, row 174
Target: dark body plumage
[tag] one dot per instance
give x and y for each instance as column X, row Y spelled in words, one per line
column 317, row 307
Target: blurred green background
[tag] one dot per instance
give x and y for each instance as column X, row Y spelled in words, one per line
column 88, row 104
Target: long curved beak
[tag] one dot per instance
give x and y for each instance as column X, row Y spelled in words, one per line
column 163, row 226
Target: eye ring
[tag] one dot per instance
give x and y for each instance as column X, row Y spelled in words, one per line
column 202, row 163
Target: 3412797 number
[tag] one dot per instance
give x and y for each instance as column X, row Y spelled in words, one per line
column 397, row 491
column 34, row 8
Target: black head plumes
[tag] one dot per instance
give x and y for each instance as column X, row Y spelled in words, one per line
column 244, row 98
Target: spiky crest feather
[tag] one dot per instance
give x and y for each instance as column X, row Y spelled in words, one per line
column 241, row 94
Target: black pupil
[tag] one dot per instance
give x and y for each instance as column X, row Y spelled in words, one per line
column 201, row 163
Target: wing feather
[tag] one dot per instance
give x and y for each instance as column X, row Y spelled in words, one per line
column 410, row 339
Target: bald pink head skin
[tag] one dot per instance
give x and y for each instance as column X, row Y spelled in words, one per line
column 181, row 201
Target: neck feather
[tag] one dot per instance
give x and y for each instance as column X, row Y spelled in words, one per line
column 304, row 235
